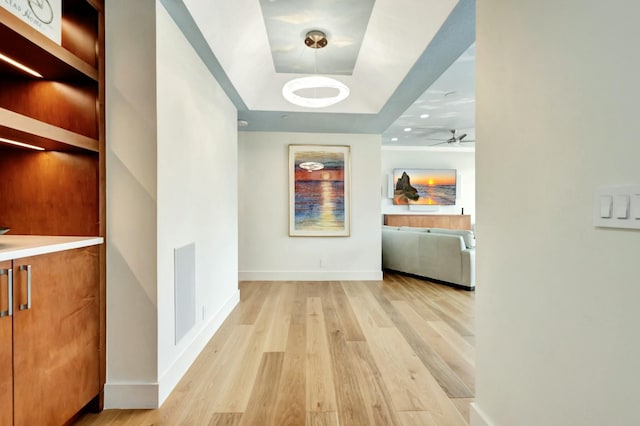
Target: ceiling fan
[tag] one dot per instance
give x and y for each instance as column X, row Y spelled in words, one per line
column 453, row 139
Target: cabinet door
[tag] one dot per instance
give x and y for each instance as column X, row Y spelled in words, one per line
column 55, row 352
column 6, row 350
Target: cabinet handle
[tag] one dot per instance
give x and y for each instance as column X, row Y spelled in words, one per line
column 27, row 268
column 9, row 274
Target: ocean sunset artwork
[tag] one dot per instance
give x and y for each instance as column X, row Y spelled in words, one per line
column 435, row 187
column 319, row 190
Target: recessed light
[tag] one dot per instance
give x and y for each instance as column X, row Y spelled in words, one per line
column 394, row 139
column 407, row 129
column 24, row 145
column 20, row 66
column 424, row 116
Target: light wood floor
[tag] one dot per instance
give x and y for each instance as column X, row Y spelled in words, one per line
column 392, row 352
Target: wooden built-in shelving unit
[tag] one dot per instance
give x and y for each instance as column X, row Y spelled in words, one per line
column 62, row 108
column 61, row 190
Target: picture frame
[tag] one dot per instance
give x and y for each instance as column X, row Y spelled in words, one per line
column 424, row 187
column 319, row 190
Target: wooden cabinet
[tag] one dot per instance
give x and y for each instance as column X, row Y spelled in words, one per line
column 6, row 348
column 429, row 220
column 58, row 191
column 55, row 322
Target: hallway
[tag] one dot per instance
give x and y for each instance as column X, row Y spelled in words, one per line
column 392, row 352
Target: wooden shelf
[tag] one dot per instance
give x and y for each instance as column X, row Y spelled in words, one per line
column 429, row 220
column 27, row 46
column 28, row 130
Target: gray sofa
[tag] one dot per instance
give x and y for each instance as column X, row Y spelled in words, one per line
column 446, row 255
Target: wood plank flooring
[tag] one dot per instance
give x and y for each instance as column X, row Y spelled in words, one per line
column 356, row 353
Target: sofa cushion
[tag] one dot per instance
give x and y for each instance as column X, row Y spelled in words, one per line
column 468, row 236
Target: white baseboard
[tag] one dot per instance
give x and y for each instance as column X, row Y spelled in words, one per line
column 310, row 275
column 478, row 417
column 172, row 376
column 152, row 395
column 131, row 395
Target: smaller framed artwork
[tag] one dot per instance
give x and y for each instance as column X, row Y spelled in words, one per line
column 319, row 191
column 429, row 187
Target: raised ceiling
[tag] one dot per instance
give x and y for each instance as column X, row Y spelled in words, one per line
column 287, row 24
column 387, row 51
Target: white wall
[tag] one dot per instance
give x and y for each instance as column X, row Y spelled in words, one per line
column 131, row 200
column 266, row 250
column 197, row 196
column 171, row 169
column 463, row 160
column 557, row 298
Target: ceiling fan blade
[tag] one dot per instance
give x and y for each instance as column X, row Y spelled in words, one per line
column 441, row 143
column 469, row 140
column 464, row 135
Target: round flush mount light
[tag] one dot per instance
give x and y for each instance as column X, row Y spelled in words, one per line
column 407, row 129
column 318, row 84
column 243, row 123
column 314, row 82
column 424, row 116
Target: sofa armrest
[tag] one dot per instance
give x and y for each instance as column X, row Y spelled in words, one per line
column 469, row 267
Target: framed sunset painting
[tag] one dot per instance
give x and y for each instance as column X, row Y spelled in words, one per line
column 434, row 187
column 319, row 190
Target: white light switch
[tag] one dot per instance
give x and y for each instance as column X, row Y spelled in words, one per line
column 635, row 206
column 605, row 206
column 617, row 206
column 621, row 206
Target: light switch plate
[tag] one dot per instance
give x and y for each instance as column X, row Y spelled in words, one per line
column 605, row 206
column 617, row 206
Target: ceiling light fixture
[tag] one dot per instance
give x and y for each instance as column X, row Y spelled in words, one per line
column 24, row 145
column 407, row 129
column 20, row 66
column 315, row 40
column 424, row 116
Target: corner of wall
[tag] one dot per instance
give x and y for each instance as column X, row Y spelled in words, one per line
column 131, row 396
column 477, row 417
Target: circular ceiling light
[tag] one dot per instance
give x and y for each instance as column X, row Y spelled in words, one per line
column 424, row 116
column 315, row 40
column 407, row 129
column 314, row 82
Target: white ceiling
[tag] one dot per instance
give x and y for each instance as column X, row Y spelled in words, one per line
column 405, row 46
column 448, row 104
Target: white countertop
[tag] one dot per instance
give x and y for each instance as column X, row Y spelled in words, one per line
column 17, row 246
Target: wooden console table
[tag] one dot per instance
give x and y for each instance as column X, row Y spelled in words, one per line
column 448, row 221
